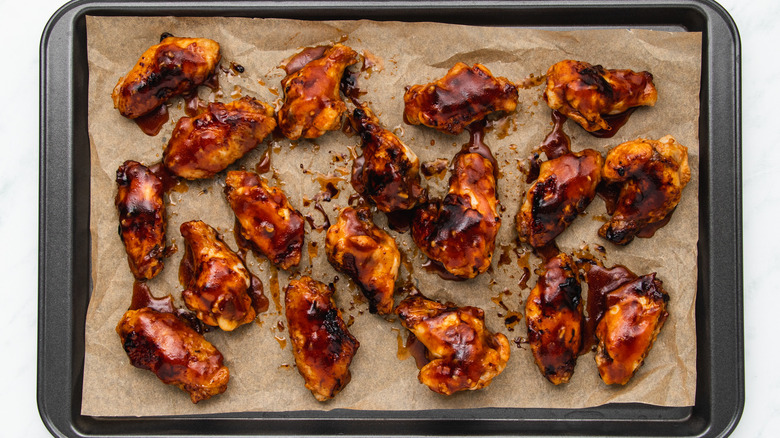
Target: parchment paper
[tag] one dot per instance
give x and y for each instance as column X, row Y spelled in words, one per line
column 263, row 374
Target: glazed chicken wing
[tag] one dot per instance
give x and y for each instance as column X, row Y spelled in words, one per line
column 141, row 218
column 460, row 231
column 553, row 313
column 176, row 353
column 635, row 313
column 173, row 67
column 215, row 278
column 266, row 218
column 565, row 187
column 312, row 104
column 388, row 172
column 202, row 146
column 586, row 93
column 367, row 254
column 464, row 95
column 322, row 346
column 463, row 353
column 652, row 174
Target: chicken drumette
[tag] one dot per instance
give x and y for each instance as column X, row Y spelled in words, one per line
column 322, row 346
column 635, row 313
column 204, row 145
column 586, row 93
column 265, row 218
column 388, row 172
column 176, row 353
column 216, row 280
column 367, row 254
column 460, row 231
column 651, row 175
column 463, row 353
column 553, row 313
column 312, row 104
column 565, row 187
column 173, row 67
column 139, row 200
column 464, row 95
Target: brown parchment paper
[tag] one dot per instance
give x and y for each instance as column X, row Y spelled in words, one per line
column 263, row 374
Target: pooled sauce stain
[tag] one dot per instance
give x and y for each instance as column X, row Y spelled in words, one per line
column 417, row 350
column 512, row 319
column 520, row 341
column 328, row 184
column 305, row 56
column 212, row 82
column 437, row 167
column 401, row 220
column 152, row 123
column 531, row 81
column 259, row 300
column 142, row 297
column 548, row 251
column 264, row 165
column 169, row 180
column 313, row 251
column 476, row 145
column 556, row 144
column 326, row 221
column 438, row 269
column 244, row 245
column 357, row 201
column 371, row 63
column 650, row 229
column 502, row 126
column 193, row 104
column 282, row 341
column 601, row 281
column 609, row 193
column 615, row 122
column 273, row 283
column 523, row 283
column 348, row 86
column 402, row 353
column 504, row 258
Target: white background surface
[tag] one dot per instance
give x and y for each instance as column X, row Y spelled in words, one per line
column 21, row 25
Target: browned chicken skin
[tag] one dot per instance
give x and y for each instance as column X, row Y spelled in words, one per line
column 553, row 313
column 322, row 346
column 388, row 172
column 565, row 187
column 215, row 278
column 176, row 353
column 139, row 200
column 653, row 174
column 266, row 218
column 635, row 313
column 464, row 95
column 367, row 254
column 586, row 93
column 464, row 354
column 460, row 231
column 312, row 104
column 204, row 145
column 173, row 67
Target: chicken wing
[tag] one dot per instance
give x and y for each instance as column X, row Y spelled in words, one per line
column 139, row 200
column 202, row 146
column 586, row 93
column 635, row 313
column 460, row 231
column 215, row 278
column 177, row 354
column 653, row 174
column 173, row 67
column 463, row 353
column 464, row 95
column 565, row 187
column 367, row 254
column 553, row 312
column 388, row 172
column 322, row 346
column 266, row 218
column 312, row 104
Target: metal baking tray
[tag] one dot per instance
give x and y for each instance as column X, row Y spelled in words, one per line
column 64, row 260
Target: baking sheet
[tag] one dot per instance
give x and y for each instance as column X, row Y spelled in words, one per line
column 263, row 377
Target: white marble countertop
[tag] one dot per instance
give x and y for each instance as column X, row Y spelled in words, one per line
column 21, row 25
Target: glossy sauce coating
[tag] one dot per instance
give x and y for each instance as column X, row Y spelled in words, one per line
column 635, row 313
column 266, row 218
column 139, row 200
column 178, row 355
column 554, row 316
column 565, row 187
column 367, row 254
column 651, row 175
column 216, row 280
column 463, row 354
column 173, row 67
column 601, row 281
column 322, row 346
column 464, row 95
column 586, row 93
column 204, row 145
column 312, row 104
column 388, row 172
column 459, row 232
